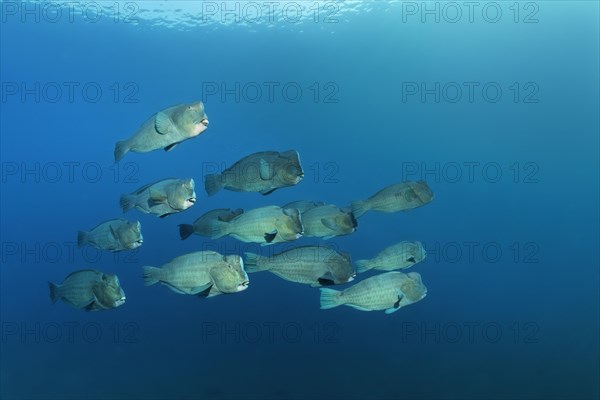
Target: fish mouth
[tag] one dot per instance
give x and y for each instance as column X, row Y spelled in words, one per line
column 204, row 121
column 192, row 200
column 243, row 286
column 120, row 302
column 139, row 242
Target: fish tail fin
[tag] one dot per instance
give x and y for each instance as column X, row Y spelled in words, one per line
column 252, row 263
column 82, row 238
column 150, row 275
column 185, row 231
column 330, row 298
column 121, row 148
column 359, row 208
column 213, row 183
column 363, row 266
column 127, row 202
column 54, row 293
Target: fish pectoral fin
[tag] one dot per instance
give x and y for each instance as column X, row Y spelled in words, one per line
column 171, row 146
column 113, row 233
column 330, row 224
column 156, row 198
column 84, row 305
column 269, row 237
column 213, row 292
column 267, row 191
column 265, row 171
column 201, row 290
column 396, row 305
column 326, row 280
column 165, row 215
column 163, row 124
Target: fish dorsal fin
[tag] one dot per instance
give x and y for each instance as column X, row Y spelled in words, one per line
column 144, row 188
column 163, row 124
column 82, row 270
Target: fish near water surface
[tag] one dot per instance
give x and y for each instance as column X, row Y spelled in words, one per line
column 165, row 130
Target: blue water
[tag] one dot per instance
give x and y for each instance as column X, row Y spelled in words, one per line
column 512, row 309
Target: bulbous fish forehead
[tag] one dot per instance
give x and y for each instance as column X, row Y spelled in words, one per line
column 195, row 110
column 110, row 278
column 197, row 106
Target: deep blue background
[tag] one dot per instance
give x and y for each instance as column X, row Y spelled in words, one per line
column 363, row 139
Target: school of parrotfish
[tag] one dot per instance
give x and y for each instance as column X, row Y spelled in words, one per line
column 208, row 273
